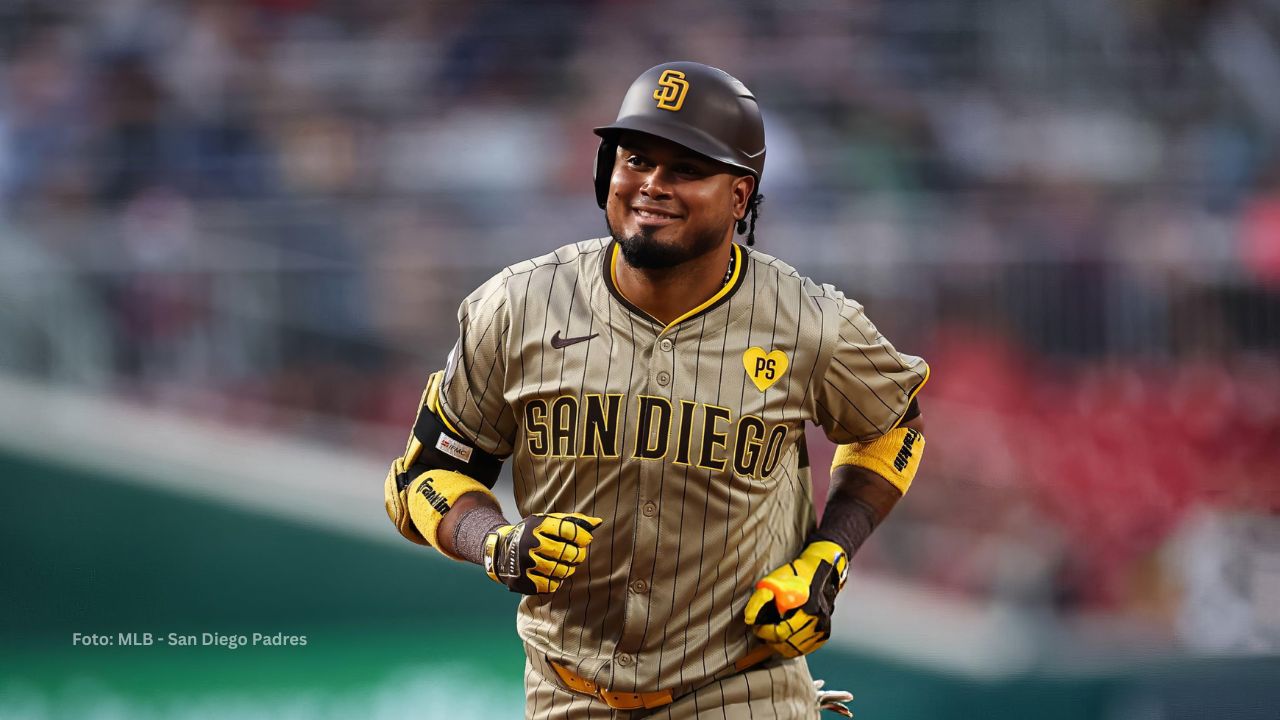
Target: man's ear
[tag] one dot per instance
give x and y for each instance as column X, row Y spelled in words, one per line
column 742, row 188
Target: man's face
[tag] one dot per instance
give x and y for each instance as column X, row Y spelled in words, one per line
column 668, row 205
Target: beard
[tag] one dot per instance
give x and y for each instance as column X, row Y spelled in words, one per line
column 645, row 252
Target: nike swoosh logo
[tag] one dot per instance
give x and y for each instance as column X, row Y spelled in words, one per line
column 560, row 344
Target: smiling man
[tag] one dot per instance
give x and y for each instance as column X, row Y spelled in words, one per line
column 651, row 390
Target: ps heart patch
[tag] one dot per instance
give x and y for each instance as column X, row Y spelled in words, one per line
column 764, row 368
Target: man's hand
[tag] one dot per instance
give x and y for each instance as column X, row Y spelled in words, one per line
column 535, row 555
column 791, row 607
column 833, row 700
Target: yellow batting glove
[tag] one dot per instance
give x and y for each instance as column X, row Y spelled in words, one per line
column 537, row 554
column 791, row 607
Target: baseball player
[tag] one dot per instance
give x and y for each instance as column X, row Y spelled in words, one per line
column 651, row 390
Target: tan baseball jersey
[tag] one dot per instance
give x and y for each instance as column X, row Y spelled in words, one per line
column 686, row 438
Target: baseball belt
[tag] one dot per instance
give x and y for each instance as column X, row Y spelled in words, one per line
column 644, row 700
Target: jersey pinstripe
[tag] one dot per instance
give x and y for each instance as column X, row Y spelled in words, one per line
column 687, row 439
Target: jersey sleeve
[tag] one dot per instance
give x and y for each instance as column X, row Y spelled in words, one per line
column 473, row 391
column 867, row 385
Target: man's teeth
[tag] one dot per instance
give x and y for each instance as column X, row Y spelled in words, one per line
column 655, row 216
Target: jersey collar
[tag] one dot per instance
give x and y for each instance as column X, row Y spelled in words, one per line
column 611, row 254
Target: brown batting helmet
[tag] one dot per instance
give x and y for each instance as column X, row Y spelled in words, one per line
column 700, row 107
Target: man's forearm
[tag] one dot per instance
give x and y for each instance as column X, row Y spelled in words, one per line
column 462, row 531
column 859, row 500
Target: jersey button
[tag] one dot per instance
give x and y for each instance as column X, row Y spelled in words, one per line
column 649, row 509
column 666, row 345
column 664, row 377
column 625, row 660
column 639, row 586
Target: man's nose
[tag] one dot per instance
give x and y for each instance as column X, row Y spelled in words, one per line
column 656, row 184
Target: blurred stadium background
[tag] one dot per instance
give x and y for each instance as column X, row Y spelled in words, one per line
column 233, row 234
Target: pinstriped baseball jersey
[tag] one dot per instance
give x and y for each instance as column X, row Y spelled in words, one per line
column 687, row 439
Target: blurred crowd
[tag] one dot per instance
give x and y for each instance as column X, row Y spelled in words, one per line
column 267, row 210
column 1063, row 486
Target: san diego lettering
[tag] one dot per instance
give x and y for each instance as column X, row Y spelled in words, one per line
column 689, row 433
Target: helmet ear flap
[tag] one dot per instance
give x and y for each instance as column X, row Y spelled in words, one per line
column 604, row 169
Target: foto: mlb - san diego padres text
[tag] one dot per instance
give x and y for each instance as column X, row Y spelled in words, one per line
column 228, row 641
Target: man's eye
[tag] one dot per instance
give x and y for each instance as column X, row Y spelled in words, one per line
column 635, row 161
